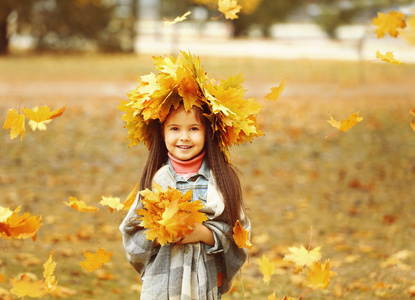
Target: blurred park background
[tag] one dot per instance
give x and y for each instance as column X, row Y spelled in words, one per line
column 354, row 189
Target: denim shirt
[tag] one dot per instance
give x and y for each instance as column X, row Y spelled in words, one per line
column 197, row 182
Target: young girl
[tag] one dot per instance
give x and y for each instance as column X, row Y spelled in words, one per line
column 188, row 131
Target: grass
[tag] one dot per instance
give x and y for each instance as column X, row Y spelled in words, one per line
column 355, row 189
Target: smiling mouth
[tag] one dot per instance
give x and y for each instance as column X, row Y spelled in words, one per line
column 184, row 147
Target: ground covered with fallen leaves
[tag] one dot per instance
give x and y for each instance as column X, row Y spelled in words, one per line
column 353, row 191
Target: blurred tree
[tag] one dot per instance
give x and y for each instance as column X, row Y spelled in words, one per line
column 7, row 8
column 267, row 13
column 334, row 13
column 108, row 25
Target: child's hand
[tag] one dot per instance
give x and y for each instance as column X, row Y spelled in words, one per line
column 200, row 233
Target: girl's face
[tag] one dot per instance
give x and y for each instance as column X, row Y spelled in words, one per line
column 184, row 134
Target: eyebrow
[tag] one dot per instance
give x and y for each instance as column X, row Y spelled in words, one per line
column 191, row 125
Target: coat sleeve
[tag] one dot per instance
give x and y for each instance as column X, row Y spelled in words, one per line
column 233, row 257
column 139, row 250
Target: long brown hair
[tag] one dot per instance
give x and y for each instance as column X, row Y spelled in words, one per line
column 227, row 179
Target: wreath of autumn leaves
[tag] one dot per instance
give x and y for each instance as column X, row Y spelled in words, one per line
column 184, row 80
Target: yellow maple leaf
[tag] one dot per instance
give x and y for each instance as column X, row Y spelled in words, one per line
column 272, row 297
column 412, row 125
column 79, row 205
column 112, row 203
column 345, row 124
column 266, row 267
column 95, row 261
column 241, row 236
column 229, row 8
column 276, row 91
column 24, row 286
column 168, row 214
column 412, row 112
column 388, row 57
column 131, row 197
column 389, row 23
column 318, row 275
column 302, row 257
column 177, row 19
column 15, row 122
column 43, row 113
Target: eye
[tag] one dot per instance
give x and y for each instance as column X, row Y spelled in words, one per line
column 174, row 128
column 194, row 128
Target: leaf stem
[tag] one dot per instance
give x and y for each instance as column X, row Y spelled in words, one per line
column 311, row 237
column 332, row 134
column 242, row 285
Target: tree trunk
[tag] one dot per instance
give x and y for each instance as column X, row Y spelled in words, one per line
column 4, row 39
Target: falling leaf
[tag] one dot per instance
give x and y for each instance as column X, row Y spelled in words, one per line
column 16, row 123
column 412, row 125
column 389, row 23
column 412, row 112
column 24, row 286
column 19, row 227
column 241, row 236
column 318, row 276
column 79, row 205
column 168, row 214
column 112, row 203
column 43, row 113
column 266, row 268
column 177, row 19
column 272, row 297
column 229, row 8
column 95, row 261
column 388, row 57
column 345, row 124
column 131, row 197
column 276, row 91
column 302, row 257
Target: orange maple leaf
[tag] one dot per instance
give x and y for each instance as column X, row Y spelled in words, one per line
column 177, row 19
column 168, row 214
column 95, row 261
column 241, row 236
column 389, row 23
column 318, row 275
column 42, row 113
column 112, row 203
column 19, row 227
column 345, row 124
column 388, row 57
column 79, row 205
column 131, row 197
column 276, row 91
column 15, row 122
column 229, row 8
column 302, row 257
column 24, row 286
column 266, row 267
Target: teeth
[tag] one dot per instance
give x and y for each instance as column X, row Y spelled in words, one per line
column 184, row 147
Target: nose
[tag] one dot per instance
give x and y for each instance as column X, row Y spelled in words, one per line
column 184, row 136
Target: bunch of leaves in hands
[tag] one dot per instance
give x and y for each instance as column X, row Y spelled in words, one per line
column 168, row 214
